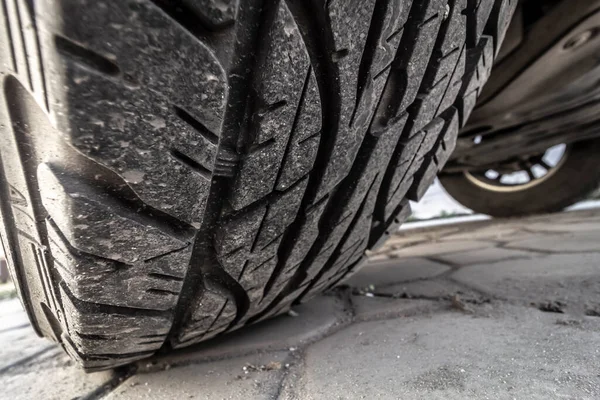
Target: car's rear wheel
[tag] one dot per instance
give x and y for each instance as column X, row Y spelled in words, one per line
column 532, row 184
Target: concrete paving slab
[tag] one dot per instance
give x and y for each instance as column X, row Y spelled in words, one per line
column 571, row 242
column 484, row 256
column 312, row 321
column 441, row 247
column 432, row 289
column 384, row 273
column 19, row 341
column 573, row 279
column 12, row 315
column 521, row 353
column 19, row 345
column 564, row 227
column 51, row 376
column 500, row 232
column 252, row 377
column 413, row 237
column 381, row 307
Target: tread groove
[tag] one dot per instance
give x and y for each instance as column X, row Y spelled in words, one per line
column 204, row 267
column 375, row 30
column 24, row 42
column 197, row 125
column 269, row 108
column 191, row 164
column 186, row 17
column 7, row 26
column 86, row 307
column 165, row 277
column 295, row 124
column 86, row 57
column 162, row 292
column 319, row 48
column 394, row 34
column 386, row 188
column 333, row 206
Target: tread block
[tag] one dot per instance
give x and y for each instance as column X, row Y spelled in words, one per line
column 500, row 17
column 212, row 314
column 482, row 59
column 402, row 214
column 455, row 84
column 282, row 77
column 247, row 246
column 281, row 212
column 137, row 105
column 350, row 21
column 447, row 143
column 444, row 61
column 351, row 225
column 306, row 236
column 385, row 33
column 428, row 172
column 305, row 138
column 214, row 14
column 408, row 71
column 415, row 151
column 482, row 13
column 479, row 63
column 92, row 225
column 153, row 284
column 98, row 331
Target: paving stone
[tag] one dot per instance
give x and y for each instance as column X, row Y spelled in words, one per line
column 442, row 247
column 571, row 242
column 564, row 227
column 429, row 289
column 520, row 353
column 569, row 216
column 314, row 319
column 50, row 376
column 411, row 237
column 15, row 329
column 251, row 377
column 24, row 344
column 377, row 257
column 498, row 231
column 12, row 315
column 484, row 256
column 394, row 271
column 570, row 278
column 376, row 307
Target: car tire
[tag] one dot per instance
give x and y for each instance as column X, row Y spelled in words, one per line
column 574, row 179
column 175, row 169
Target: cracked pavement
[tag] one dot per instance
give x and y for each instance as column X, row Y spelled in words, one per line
column 496, row 309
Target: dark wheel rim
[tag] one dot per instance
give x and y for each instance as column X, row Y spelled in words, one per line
column 521, row 174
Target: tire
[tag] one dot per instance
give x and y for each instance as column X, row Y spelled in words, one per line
column 575, row 178
column 173, row 170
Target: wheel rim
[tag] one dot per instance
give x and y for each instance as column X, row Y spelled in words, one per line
column 521, row 174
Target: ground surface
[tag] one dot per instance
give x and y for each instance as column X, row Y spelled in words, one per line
column 497, row 309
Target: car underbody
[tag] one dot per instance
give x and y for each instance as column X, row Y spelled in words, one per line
column 543, row 90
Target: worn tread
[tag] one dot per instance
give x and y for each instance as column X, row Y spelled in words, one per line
column 173, row 170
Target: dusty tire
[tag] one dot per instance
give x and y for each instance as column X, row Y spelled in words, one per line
column 577, row 177
column 173, row 169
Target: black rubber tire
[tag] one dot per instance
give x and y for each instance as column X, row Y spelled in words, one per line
column 574, row 179
column 176, row 169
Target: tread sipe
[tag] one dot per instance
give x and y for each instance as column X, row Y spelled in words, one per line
column 175, row 169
